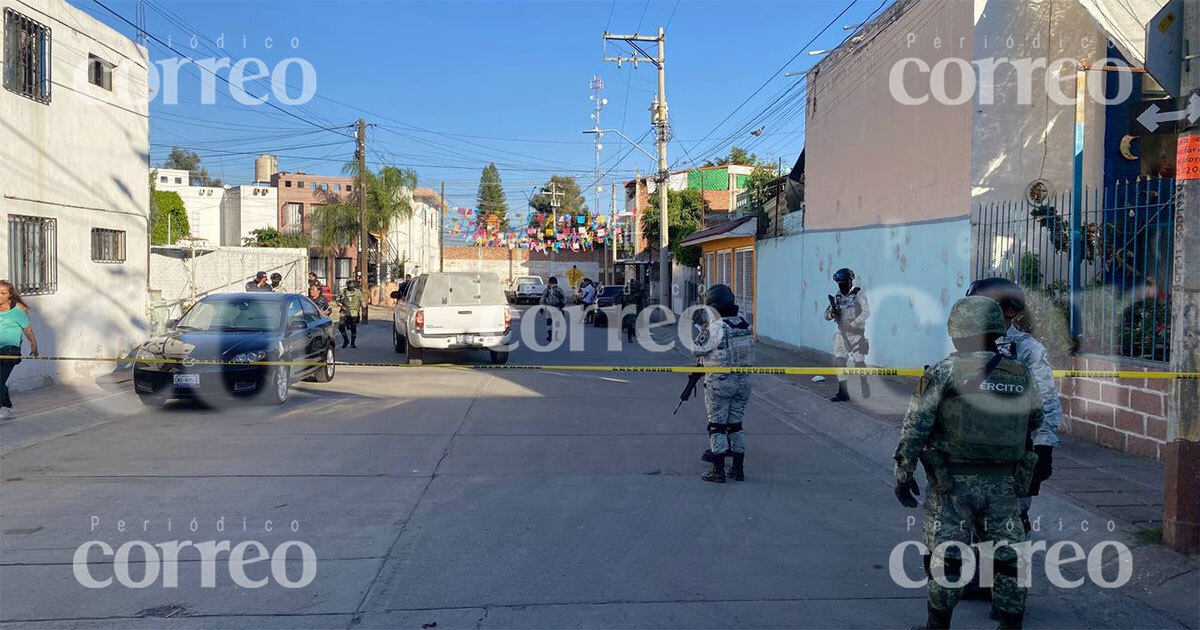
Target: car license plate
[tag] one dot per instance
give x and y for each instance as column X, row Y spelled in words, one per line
column 464, row 339
column 187, row 380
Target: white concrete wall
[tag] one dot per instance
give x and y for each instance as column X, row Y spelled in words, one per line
column 224, row 270
column 205, row 206
column 248, row 208
column 415, row 239
column 911, row 274
column 1016, row 141
column 81, row 159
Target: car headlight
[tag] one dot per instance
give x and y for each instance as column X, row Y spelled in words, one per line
column 250, row 357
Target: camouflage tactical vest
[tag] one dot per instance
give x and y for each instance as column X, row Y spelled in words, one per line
column 988, row 420
column 736, row 346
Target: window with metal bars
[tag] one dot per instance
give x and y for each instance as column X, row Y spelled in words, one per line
column 108, row 246
column 294, row 217
column 26, row 57
column 33, row 254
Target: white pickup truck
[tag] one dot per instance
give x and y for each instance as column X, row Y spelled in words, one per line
column 529, row 290
column 452, row 311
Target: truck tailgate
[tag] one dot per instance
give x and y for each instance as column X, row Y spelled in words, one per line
column 455, row 320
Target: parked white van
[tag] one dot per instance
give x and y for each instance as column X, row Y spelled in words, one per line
column 452, row 311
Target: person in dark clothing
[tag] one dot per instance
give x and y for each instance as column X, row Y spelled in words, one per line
column 259, row 283
column 318, row 297
column 276, row 280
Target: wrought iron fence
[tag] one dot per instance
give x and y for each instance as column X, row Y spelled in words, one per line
column 1120, row 299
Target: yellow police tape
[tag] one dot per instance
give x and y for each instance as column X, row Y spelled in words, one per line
column 688, row 369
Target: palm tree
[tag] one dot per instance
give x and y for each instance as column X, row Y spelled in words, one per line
column 337, row 223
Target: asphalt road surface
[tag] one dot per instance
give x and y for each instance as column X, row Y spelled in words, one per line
column 465, row 498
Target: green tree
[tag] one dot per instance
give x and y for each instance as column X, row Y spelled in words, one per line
column 737, row 155
column 569, row 197
column 759, row 188
column 490, row 200
column 168, row 214
column 685, row 215
column 337, row 222
column 271, row 237
column 189, row 161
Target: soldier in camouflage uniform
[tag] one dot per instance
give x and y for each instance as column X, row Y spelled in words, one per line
column 969, row 424
column 850, row 309
column 725, row 342
column 1025, row 348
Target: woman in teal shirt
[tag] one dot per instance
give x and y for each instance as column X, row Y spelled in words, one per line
column 14, row 322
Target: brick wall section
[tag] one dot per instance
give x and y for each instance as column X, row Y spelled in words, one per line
column 509, row 264
column 1124, row 414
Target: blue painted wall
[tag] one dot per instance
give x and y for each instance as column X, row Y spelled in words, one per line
column 911, row 274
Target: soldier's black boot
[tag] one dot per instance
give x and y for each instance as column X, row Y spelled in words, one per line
column 708, row 456
column 345, row 341
column 353, row 340
column 735, row 470
column 937, row 619
column 1011, row 620
column 866, row 387
column 717, row 474
column 842, row 394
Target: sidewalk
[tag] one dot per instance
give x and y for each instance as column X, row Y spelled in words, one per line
column 63, row 408
column 1118, row 485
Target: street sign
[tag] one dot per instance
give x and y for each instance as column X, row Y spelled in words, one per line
column 1164, row 46
column 1165, row 116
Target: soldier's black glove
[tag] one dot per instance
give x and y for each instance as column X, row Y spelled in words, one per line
column 1044, row 467
column 905, row 492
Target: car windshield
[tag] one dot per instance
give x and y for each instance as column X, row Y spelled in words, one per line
column 243, row 315
column 462, row 290
column 529, row 280
column 611, row 291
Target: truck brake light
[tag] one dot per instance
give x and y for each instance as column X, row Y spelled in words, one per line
column 419, row 321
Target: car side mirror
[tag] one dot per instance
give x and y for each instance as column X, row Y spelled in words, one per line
column 395, row 295
column 297, row 325
column 171, row 323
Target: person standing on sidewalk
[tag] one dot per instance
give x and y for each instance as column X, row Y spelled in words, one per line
column 552, row 298
column 353, row 304
column 850, row 309
column 14, row 323
column 589, row 298
column 1025, row 348
column 968, row 424
column 726, row 342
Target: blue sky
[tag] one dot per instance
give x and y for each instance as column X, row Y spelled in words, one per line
column 454, row 85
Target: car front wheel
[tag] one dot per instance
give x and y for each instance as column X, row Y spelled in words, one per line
column 324, row 374
column 499, row 357
column 278, row 384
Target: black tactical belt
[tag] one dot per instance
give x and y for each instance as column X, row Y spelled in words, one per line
column 981, row 468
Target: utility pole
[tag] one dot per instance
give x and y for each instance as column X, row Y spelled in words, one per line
column 598, row 104
column 442, row 230
column 612, row 235
column 554, row 203
column 1181, row 487
column 658, row 117
column 363, row 240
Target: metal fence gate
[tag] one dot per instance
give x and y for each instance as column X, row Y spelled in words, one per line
column 1120, row 298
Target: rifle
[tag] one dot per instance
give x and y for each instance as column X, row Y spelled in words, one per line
column 835, row 310
column 689, row 389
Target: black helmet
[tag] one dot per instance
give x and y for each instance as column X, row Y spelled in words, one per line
column 1004, row 291
column 276, row 277
column 260, row 275
column 552, row 280
column 718, row 296
column 843, row 275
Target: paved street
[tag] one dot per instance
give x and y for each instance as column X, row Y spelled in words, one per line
column 493, row 499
